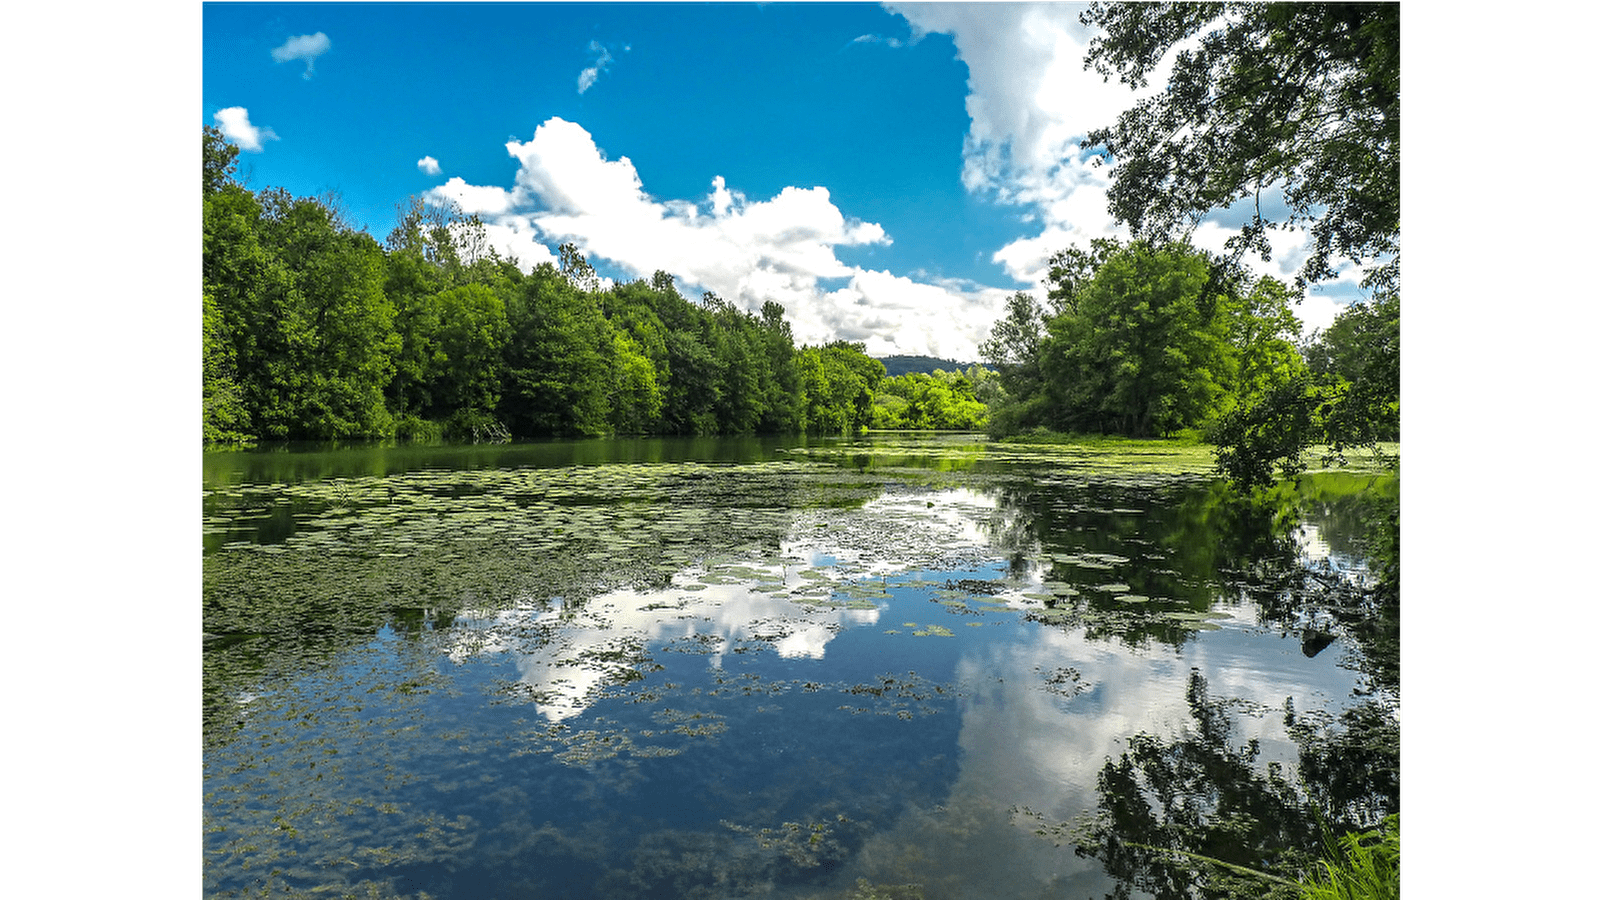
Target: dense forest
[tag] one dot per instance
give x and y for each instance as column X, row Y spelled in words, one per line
column 1146, row 340
column 315, row 331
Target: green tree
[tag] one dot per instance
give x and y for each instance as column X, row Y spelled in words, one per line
column 1266, row 331
column 557, row 365
column 338, row 325
column 1299, row 97
column 782, row 408
column 1346, row 396
column 1144, row 347
column 472, row 335
column 225, row 419
column 1304, row 97
column 635, row 395
column 217, row 161
column 1359, row 355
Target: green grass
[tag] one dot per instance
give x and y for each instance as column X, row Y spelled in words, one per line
column 1362, row 867
column 1184, row 438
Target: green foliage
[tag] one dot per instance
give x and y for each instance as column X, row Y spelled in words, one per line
column 417, row 430
column 1145, row 341
column 474, row 426
column 1348, row 396
column 1299, row 96
column 472, row 334
column 636, row 396
column 1012, row 347
column 1364, row 866
column 557, row 363
column 838, row 382
column 313, row 331
column 1146, row 351
column 224, row 418
column 217, row 162
column 941, row 400
column 300, row 324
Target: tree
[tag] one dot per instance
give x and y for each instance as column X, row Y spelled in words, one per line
column 217, row 161
column 336, row 324
column 1299, row 96
column 472, row 333
column 1012, row 350
column 557, row 363
column 224, row 418
column 1144, row 348
column 1346, row 395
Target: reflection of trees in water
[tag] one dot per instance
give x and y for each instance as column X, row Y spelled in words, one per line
column 1183, row 547
column 1176, row 815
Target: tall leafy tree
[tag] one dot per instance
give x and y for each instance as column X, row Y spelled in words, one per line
column 557, row 377
column 1299, row 96
column 225, row 419
column 472, row 335
column 337, row 325
column 218, row 159
column 1012, row 346
column 1144, row 348
column 782, row 412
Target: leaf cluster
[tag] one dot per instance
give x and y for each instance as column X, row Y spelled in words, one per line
column 1298, row 97
column 1142, row 340
column 1347, row 396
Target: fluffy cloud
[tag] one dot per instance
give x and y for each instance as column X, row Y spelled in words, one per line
column 428, row 165
column 486, row 201
column 747, row 251
column 306, row 46
column 1031, row 103
column 235, row 124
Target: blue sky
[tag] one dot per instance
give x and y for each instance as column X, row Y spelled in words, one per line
column 889, row 173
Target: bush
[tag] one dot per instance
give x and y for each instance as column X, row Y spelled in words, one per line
column 417, row 430
column 474, row 426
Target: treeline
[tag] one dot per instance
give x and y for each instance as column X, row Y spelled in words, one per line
column 1148, row 340
column 956, row 401
column 315, row 331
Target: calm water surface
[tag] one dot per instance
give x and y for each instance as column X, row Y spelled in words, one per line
column 719, row 669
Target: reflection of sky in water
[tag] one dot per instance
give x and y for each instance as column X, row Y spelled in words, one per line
column 1315, row 550
column 633, row 739
column 555, row 647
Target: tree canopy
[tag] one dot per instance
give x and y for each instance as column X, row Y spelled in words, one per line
column 1302, row 97
column 313, row 331
column 1144, row 340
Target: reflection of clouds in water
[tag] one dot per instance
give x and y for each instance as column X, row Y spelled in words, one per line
column 564, row 656
column 900, row 530
column 1316, row 551
column 1023, row 745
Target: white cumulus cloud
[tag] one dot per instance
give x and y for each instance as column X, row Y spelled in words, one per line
column 428, row 165
column 235, row 125
column 747, row 251
column 305, row 47
column 1031, row 103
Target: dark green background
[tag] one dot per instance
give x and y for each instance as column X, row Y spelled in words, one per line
column 101, row 378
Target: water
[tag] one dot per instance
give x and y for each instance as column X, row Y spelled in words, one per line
column 894, row 668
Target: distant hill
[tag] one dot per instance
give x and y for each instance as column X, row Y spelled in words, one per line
column 900, row 365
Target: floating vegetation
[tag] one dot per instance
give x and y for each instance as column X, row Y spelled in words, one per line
column 1066, row 681
column 653, row 679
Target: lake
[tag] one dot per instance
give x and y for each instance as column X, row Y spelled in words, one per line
column 903, row 666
